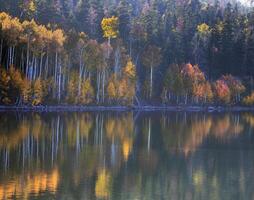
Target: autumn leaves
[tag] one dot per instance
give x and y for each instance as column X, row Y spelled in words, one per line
column 42, row 64
column 187, row 84
column 46, row 65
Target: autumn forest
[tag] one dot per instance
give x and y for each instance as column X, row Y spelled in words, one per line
column 126, row 52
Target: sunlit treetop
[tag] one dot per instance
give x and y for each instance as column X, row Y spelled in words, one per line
column 10, row 27
column 203, row 29
column 110, row 27
column 129, row 69
column 3, row 16
column 59, row 37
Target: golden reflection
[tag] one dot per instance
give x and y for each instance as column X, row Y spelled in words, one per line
column 121, row 129
column 12, row 137
column 198, row 131
column 103, row 184
column 23, row 187
column 127, row 148
column 78, row 127
column 188, row 136
column 221, row 126
column 104, row 158
column 249, row 118
column 198, row 178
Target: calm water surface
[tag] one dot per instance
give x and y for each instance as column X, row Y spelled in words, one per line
column 129, row 156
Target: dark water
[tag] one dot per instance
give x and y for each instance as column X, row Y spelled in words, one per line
column 134, row 156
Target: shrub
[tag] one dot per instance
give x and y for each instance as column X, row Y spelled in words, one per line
column 249, row 100
column 222, row 91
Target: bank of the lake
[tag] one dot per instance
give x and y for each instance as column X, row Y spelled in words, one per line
column 72, row 108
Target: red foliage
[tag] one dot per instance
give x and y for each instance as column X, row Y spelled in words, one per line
column 222, row 91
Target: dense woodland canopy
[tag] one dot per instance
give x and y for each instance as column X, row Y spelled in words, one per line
column 126, row 52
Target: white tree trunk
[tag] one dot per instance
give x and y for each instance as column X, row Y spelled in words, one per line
column 149, row 135
column 103, row 86
column 151, row 82
column 27, row 59
column 59, row 81
column 98, row 87
column 1, row 50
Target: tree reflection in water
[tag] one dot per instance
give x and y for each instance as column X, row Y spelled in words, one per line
column 116, row 155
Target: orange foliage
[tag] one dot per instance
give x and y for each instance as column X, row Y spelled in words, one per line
column 222, row 91
column 249, row 100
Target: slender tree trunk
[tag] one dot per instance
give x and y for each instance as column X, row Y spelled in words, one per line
column 27, row 58
column 22, row 60
column 80, row 75
column 9, row 57
column 98, row 88
column 47, row 64
column 13, row 55
column 41, row 60
column 117, row 61
column 103, row 86
column 35, row 68
column 186, row 98
column 1, row 50
column 149, row 135
column 59, row 81
column 56, row 67
column 151, row 82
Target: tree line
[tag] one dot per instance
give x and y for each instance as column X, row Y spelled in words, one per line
column 93, row 52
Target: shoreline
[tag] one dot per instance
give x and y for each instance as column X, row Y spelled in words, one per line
column 65, row 108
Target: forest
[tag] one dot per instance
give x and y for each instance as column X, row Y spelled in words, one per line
column 126, row 52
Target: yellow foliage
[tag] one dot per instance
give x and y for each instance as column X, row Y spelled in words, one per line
column 203, row 29
column 4, row 86
column 3, row 16
column 130, row 70
column 16, row 77
column 123, row 88
column 11, row 27
column 72, row 88
column 110, row 27
column 87, row 92
column 58, row 38
column 249, row 100
column 111, row 90
column 203, row 91
column 31, row 6
column 37, row 92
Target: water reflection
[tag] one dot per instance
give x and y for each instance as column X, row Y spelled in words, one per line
column 126, row 156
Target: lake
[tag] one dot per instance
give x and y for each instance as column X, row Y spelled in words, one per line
column 127, row 155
